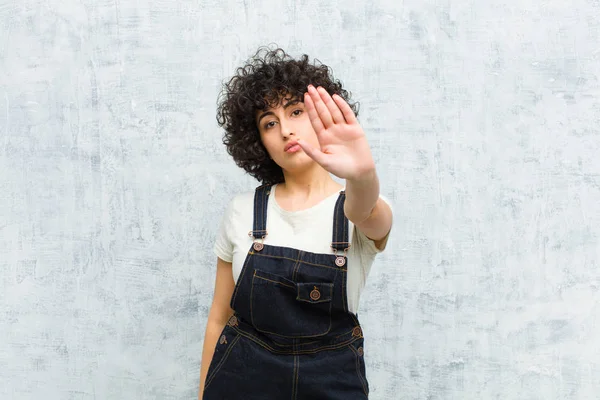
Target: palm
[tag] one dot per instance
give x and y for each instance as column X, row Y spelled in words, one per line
column 344, row 150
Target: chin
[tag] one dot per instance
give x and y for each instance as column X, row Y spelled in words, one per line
column 301, row 164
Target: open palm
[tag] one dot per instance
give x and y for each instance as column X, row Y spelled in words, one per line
column 344, row 150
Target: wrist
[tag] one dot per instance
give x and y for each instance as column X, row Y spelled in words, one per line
column 364, row 178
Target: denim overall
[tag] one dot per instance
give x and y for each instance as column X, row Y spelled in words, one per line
column 291, row 336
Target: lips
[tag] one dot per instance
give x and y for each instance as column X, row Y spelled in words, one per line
column 292, row 146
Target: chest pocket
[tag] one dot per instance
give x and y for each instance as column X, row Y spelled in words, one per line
column 286, row 308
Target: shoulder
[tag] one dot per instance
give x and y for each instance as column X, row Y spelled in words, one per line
column 243, row 199
column 241, row 203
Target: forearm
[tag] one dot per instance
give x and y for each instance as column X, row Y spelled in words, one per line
column 361, row 196
column 367, row 211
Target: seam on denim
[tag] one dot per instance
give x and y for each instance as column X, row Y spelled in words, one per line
column 362, row 379
column 344, row 279
column 345, row 234
column 289, row 336
column 263, row 222
column 328, row 296
column 225, row 357
column 297, row 352
column 335, row 221
column 271, row 280
column 280, row 345
column 301, row 261
column 276, row 334
column 240, row 278
column 295, row 378
column 296, row 266
column 346, row 333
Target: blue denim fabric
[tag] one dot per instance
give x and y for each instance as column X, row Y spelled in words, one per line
column 292, row 336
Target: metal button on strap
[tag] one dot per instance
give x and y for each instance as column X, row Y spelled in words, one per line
column 360, row 351
column 223, row 340
column 258, row 246
column 357, row 332
column 315, row 294
column 340, row 261
column 232, row 321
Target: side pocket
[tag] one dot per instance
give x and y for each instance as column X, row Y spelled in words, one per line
column 225, row 345
column 358, row 350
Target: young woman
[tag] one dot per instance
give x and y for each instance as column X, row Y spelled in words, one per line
column 294, row 254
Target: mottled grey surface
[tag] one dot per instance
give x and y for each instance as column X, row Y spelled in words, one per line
column 484, row 117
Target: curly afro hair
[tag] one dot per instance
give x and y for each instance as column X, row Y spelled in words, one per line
column 268, row 77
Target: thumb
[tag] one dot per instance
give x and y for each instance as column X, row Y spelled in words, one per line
column 315, row 154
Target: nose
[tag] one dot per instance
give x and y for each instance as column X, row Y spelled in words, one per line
column 286, row 128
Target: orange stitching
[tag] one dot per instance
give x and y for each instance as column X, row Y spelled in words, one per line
column 270, row 280
column 273, row 333
column 345, row 292
column 296, row 267
column 237, row 286
column 335, row 219
column 346, row 229
column 345, row 333
column 262, row 210
column 362, row 379
column 303, row 262
column 328, row 295
column 220, row 365
column 295, row 352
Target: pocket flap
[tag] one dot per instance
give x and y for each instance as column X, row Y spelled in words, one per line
column 314, row 292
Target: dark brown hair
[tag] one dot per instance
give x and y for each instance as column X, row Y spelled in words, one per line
column 265, row 79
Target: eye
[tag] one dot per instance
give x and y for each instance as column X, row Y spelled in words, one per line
column 269, row 124
column 296, row 112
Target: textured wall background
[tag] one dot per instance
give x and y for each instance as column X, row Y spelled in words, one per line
column 484, row 119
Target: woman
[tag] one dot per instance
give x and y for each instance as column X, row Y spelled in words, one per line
column 293, row 255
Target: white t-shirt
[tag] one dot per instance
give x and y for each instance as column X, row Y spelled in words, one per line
column 309, row 230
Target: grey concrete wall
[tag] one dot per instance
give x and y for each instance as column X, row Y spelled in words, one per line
column 484, row 120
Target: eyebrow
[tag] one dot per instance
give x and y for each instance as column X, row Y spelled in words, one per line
column 285, row 106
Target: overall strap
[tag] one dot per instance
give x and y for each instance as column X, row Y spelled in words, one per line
column 339, row 241
column 261, row 199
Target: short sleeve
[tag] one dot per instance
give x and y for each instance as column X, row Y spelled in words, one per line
column 223, row 247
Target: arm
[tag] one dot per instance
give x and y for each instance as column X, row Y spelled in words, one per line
column 363, row 206
column 219, row 314
column 344, row 152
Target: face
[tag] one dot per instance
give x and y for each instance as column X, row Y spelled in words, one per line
column 279, row 129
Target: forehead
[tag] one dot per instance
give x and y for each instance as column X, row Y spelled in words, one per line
column 279, row 100
column 274, row 104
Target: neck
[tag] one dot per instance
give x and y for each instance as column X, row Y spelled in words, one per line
column 314, row 183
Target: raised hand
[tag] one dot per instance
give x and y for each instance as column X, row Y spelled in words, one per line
column 344, row 150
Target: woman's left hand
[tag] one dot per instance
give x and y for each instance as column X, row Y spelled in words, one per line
column 344, row 150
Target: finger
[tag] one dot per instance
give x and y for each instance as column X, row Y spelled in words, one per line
column 313, row 115
column 349, row 115
column 333, row 108
column 320, row 106
column 312, row 152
